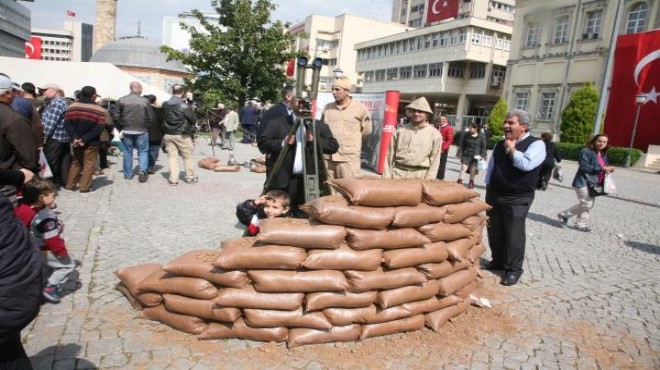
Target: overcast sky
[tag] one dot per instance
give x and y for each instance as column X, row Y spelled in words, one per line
column 51, row 14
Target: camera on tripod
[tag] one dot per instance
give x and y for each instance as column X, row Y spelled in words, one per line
column 306, row 101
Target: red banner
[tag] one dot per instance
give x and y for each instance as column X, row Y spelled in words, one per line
column 441, row 9
column 636, row 71
column 291, row 67
column 70, row 13
column 389, row 126
column 33, row 48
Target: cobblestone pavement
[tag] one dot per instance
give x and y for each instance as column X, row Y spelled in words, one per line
column 586, row 300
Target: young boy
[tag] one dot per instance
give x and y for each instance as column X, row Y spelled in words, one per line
column 35, row 211
column 274, row 204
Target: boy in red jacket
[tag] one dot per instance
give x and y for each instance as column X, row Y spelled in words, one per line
column 36, row 212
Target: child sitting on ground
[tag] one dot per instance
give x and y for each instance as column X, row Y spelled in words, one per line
column 273, row 204
column 35, row 210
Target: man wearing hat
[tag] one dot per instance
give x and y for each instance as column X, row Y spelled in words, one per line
column 350, row 123
column 57, row 140
column 414, row 151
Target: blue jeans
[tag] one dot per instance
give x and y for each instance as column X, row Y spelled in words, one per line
column 154, row 150
column 141, row 143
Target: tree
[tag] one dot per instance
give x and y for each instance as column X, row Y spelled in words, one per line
column 240, row 56
column 577, row 120
column 497, row 116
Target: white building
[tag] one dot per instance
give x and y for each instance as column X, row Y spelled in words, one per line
column 14, row 28
column 72, row 44
column 414, row 12
column 178, row 39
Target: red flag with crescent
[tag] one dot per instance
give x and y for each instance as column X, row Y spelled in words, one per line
column 33, row 48
column 442, row 9
column 291, row 67
column 636, row 71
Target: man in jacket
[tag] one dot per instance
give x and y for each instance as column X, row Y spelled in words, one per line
column 57, row 141
column 179, row 120
column 133, row 114
column 230, row 124
column 447, row 133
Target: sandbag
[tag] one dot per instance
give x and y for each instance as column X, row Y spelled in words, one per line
column 406, row 294
column 247, row 297
column 343, row 258
column 476, row 252
column 431, row 304
column 300, row 233
column 429, row 253
column 393, row 327
column 199, row 263
column 279, row 318
column 242, row 254
column 300, row 337
column 458, row 212
column 322, row 300
column 273, row 281
column 205, row 309
column 474, row 222
column 378, row 192
column 360, row 239
column 440, row 270
column 439, row 193
column 364, row 315
column 166, row 282
column 131, row 299
column 459, row 250
column 364, row 281
column 441, row 231
column 434, row 320
column 455, row 281
column 139, row 300
column 241, row 330
column 227, row 167
column 134, row 275
column 335, row 210
column 185, row 323
column 258, row 167
column 208, row 162
column 465, row 291
column 419, row 215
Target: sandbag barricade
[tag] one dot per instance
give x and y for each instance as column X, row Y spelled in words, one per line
column 383, row 257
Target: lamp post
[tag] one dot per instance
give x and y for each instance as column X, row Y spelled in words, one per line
column 338, row 72
column 640, row 99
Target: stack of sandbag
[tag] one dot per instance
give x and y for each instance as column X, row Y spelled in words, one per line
column 385, row 256
column 213, row 164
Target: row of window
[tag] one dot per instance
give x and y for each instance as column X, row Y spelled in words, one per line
column 434, row 70
column 55, row 51
column 546, row 107
column 56, row 43
column 501, row 6
column 56, row 58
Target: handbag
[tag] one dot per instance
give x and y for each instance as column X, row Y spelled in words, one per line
column 558, row 174
column 604, row 188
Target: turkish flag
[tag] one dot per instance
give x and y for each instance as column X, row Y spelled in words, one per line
column 290, row 67
column 33, row 48
column 70, row 13
column 636, row 71
column 441, row 9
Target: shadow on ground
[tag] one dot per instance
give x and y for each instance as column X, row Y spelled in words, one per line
column 644, row 247
column 61, row 357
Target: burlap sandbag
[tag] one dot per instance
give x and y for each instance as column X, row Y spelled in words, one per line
column 165, row 282
column 241, row 254
column 455, row 281
column 300, row 337
column 434, row 320
column 440, row 270
column 203, row 308
column 441, row 231
column 134, row 275
column 273, row 281
column 360, row 239
column 409, row 257
column 393, row 327
column 247, row 297
column 364, row 315
column 199, row 263
column 335, row 210
column 257, row 167
column 323, row 300
column 419, row 215
column 185, row 323
column 459, row 250
column 131, row 299
column 476, row 252
column 431, row 304
column 474, row 222
column 465, row 291
column 343, row 258
column 208, row 162
column 300, row 233
column 364, row 281
column 458, row 212
column 241, row 330
column 439, row 193
column 378, row 192
column 227, row 167
column 279, row 318
column 406, row 294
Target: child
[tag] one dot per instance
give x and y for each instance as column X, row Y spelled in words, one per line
column 274, row 204
column 35, row 211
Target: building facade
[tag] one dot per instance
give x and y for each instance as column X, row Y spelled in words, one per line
column 559, row 46
column 413, row 13
column 72, row 44
column 15, row 23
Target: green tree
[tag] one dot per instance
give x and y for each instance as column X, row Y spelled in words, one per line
column 239, row 56
column 577, row 119
column 497, row 116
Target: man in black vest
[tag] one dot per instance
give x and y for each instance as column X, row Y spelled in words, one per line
column 511, row 178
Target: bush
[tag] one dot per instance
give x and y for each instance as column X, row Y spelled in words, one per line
column 577, row 119
column 616, row 155
column 496, row 118
column 492, row 141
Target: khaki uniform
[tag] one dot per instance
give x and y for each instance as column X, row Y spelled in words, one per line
column 349, row 126
column 414, row 152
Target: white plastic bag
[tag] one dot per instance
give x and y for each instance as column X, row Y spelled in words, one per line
column 116, row 137
column 44, row 169
column 482, row 165
column 609, row 187
column 558, row 174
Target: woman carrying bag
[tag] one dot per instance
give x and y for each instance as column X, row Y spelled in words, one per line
column 593, row 166
column 473, row 148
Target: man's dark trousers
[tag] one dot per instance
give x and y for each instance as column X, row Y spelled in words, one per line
column 443, row 165
column 58, row 156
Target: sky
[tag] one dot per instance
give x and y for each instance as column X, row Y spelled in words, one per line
column 51, row 14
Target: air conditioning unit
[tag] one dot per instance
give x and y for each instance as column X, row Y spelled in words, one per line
column 495, row 81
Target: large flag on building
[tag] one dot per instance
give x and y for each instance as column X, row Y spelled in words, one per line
column 33, row 48
column 441, row 9
column 636, row 71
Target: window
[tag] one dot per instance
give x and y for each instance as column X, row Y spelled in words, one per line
column 419, row 71
column 637, row 18
column 503, row 44
column 497, row 75
column 435, row 69
column 427, row 42
column 368, row 76
column 560, row 33
column 477, row 71
column 405, row 73
column 592, row 26
column 501, row 6
column 380, row 75
column 521, row 101
column 532, row 35
column 546, row 106
column 456, row 70
column 392, row 74
column 462, row 34
column 415, row 22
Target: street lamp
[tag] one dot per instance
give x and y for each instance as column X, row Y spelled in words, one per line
column 640, row 99
column 337, row 72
